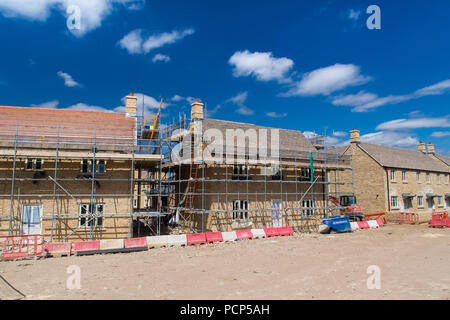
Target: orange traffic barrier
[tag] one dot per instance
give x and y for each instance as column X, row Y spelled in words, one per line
column 375, row 216
column 22, row 246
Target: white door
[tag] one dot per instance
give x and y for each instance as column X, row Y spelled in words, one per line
column 277, row 214
column 31, row 219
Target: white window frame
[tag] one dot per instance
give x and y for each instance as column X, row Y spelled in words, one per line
column 446, row 178
column 428, row 177
column 309, row 205
column 86, row 215
column 418, row 176
column 392, row 175
column 34, row 162
column 420, row 202
column 404, row 176
column 440, row 203
column 438, row 178
column 240, row 210
column 394, row 202
column 89, row 166
column 240, row 170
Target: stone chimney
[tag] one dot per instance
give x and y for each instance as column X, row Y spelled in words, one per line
column 354, row 136
column 197, row 110
column 130, row 105
column 421, row 147
column 431, row 148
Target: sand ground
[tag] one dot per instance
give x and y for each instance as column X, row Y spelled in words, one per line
column 414, row 263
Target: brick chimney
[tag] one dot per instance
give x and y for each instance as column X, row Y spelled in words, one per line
column 354, row 136
column 431, row 148
column 130, row 105
column 197, row 110
column 421, row 147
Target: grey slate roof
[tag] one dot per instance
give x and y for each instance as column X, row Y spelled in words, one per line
column 290, row 140
column 402, row 158
column 444, row 159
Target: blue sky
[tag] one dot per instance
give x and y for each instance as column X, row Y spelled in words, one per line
column 312, row 66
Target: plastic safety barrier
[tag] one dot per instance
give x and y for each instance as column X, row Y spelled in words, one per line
column 111, row 244
column 157, row 241
column 285, row 231
column 271, row 232
column 21, row 246
column 439, row 220
column 135, row 243
column 244, row 234
column 407, row 218
column 212, row 237
column 229, row 236
column 57, row 249
column 86, row 247
column 376, row 216
column 354, row 226
column 373, row 224
column 195, row 239
column 258, row 233
column 363, row 225
column 177, row 240
column 380, row 222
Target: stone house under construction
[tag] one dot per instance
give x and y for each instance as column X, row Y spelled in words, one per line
column 255, row 190
column 67, row 174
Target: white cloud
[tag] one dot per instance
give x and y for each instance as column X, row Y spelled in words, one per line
column 339, row 134
column 401, row 124
column 92, row 12
column 276, row 115
column 262, row 65
column 161, row 58
column 435, row 89
column 68, row 80
column 240, row 100
column 213, row 111
column 134, row 43
column 149, row 104
column 328, row 80
column 86, row 107
column 48, row 104
column 390, row 138
column 178, row 98
column 440, row 134
column 354, row 14
column 364, row 101
column 358, row 99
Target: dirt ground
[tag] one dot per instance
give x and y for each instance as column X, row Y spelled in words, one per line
column 414, row 263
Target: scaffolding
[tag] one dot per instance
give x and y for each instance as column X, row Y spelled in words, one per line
column 61, row 179
column 195, row 198
column 166, row 195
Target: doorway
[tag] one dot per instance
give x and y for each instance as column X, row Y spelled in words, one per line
column 277, row 214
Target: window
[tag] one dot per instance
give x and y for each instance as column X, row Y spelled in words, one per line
column 240, row 210
column 392, row 175
column 305, row 174
column 438, row 178
column 87, row 167
column 418, row 176
column 34, row 164
column 440, row 202
column 428, row 177
column 404, row 176
column 420, row 201
column 446, row 179
column 308, row 207
column 86, row 220
column 394, row 202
